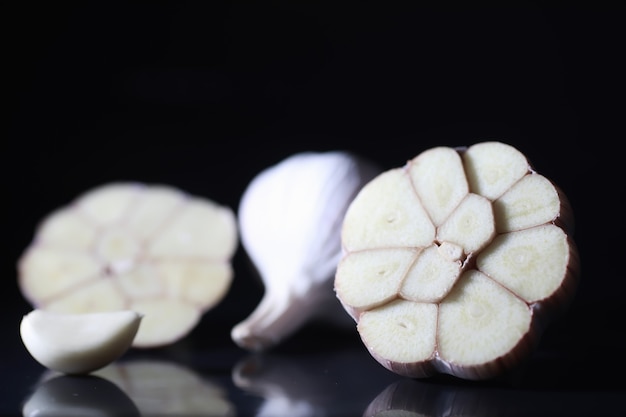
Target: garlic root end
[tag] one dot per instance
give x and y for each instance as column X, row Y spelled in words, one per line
column 275, row 318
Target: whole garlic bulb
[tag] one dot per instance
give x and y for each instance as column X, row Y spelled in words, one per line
column 290, row 218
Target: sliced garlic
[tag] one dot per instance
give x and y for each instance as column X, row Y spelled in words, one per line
column 152, row 249
column 450, row 260
column 290, row 219
column 78, row 343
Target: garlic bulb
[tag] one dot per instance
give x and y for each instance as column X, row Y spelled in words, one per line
column 290, row 220
column 455, row 262
column 150, row 248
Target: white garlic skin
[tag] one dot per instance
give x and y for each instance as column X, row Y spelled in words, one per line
column 290, row 218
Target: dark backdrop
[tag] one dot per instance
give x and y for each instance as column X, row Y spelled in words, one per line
column 205, row 95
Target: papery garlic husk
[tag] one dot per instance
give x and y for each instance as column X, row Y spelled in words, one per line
column 290, row 219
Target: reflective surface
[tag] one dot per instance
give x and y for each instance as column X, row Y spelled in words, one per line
column 211, row 383
column 321, row 372
column 414, row 398
column 343, row 385
column 85, row 395
column 134, row 387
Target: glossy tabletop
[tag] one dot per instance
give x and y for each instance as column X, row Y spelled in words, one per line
column 323, row 371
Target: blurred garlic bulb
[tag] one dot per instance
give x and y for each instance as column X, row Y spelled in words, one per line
column 290, row 219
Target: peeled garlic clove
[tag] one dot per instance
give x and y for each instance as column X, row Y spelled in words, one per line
column 455, row 262
column 149, row 248
column 290, row 219
column 78, row 343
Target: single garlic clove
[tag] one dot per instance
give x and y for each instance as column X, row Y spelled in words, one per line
column 458, row 269
column 290, row 219
column 78, row 343
column 150, row 248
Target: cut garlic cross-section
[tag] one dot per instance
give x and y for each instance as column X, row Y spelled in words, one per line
column 456, row 262
column 153, row 249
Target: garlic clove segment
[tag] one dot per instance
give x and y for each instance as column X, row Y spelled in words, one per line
column 78, row 343
column 290, row 219
column 456, row 262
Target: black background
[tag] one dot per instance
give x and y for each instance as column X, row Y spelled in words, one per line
column 205, row 95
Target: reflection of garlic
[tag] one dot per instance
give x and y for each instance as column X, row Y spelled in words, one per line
column 163, row 388
column 153, row 387
column 290, row 219
column 412, row 398
column 84, row 395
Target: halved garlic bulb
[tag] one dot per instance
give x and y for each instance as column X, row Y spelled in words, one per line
column 153, row 249
column 450, row 260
